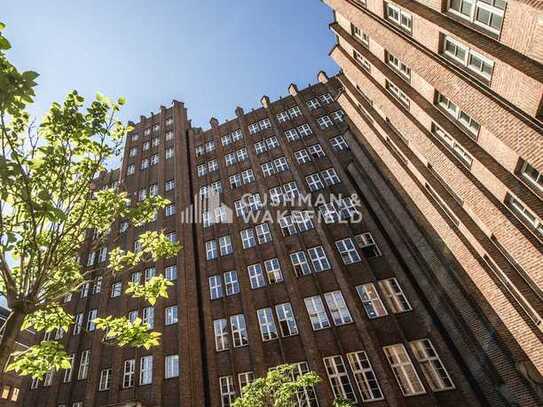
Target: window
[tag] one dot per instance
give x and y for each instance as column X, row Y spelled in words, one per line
column 525, row 214
column 398, row 66
column 304, row 130
column 215, row 287
column 302, row 156
column 231, row 283
column 456, row 148
column 461, row 118
column 364, row 376
column 398, row 16
column 237, row 135
column 316, row 312
column 338, row 116
column 228, row 393
column 78, row 324
column 239, row 331
column 339, row 144
column 348, row 252
column 247, row 238
column 256, row 276
column 220, row 328
column 306, row 396
column 149, row 316
column 319, row 260
column 146, row 370
column 280, row 164
column 169, row 153
column 394, row 296
column 398, row 94
column 212, row 166
column 211, row 250
column 330, row 177
column 68, row 372
column 403, row 369
column 131, row 169
column 435, row 373
column 15, row 394
column 134, row 137
column 300, row 264
column 314, row 182
column 532, row 175
column 474, row 61
column 170, row 273
column 84, row 363
column 292, row 135
column 367, row 245
column 244, row 379
column 154, row 159
column 267, row 169
column 169, row 185
column 362, row 61
column 273, row 271
column 171, row 366
column 268, row 330
column 338, row 308
column 339, row 378
column 282, row 117
column 84, row 291
column 361, row 36
column 132, row 316
column 170, row 314
column 485, row 13
column 48, row 379
column 105, row 379
column 324, row 122
column 263, row 233
column 313, row 104
column 316, row 151
column 128, row 373
column 371, row 301
column 169, row 210
column 225, row 245
column 169, row 136
column 133, row 152
column 93, row 314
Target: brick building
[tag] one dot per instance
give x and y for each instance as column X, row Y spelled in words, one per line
column 365, row 298
column 445, row 99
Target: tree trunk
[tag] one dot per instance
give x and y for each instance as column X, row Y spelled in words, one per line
column 9, row 332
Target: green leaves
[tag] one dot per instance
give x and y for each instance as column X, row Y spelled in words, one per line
column 153, row 289
column 126, row 333
column 47, row 319
column 278, row 388
column 39, row 359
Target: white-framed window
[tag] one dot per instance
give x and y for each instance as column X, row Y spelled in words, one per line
column 459, row 116
column 226, row 139
column 169, row 152
column 394, row 296
column 281, row 164
column 314, row 182
column 360, row 35
column 330, row 177
column 105, row 379
column 485, row 13
column 170, row 315
column 169, row 210
column 338, row 308
column 239, row 331
column 260, row 147
column 171, row 366
column 300, row 263
column 268, row 169
column 313, row 104
column 403, row 369
column 304, row 130
column 212, row 166
column 237, row 135
column 318, row 258
column 339, row 144
column 302, row 156
column 132, row 316
column 131, row 169
column 134, row 137
column 263, row 233
column 169, row 135
column 215, row 287
column 282, row 117
column 294, row 111
column 433, row 369
column 220, row 329
column 268, row 329
column 242, row 154
column 254, row 128
column 367, row 245
column 325, row 122
column 364, row 376
column 170, row 273
column 339, row 378
column 256, row 276
column 397, row 93
column 290, row 190
column 292, row 135
column 454, row 146
column 169, row 185
column 228, row 392
column 201, row 170
column 93, row 314
column 247, row 238
column 273, row 270
column 326, row 98
column 398, row 66
column 84, row 290
column 338, row 116
column 469, row 58
column 398, row 16
column 316, row 151
column 347, row 250
column 84, row 364
column 116, row 289
column 532, row 175
column 210, row 146
column 148, row 316
column 68, row 372
column 362, row 61
column 128, row 373
column 525, row 214
column 371, row 300
column 47, row 380
column 146, row 370
column 211, row 250
column 78, row 323
column 317, row 313
column 231, row 283
column 285, row 317
column 244, row 379
column 154, row 159
column 133, row 152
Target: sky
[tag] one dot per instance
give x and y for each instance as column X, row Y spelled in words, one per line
column 211, row 54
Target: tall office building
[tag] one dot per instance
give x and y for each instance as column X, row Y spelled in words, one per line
column 445, row 99
column 348, row 294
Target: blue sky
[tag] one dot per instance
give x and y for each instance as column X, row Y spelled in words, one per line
column 211, row 54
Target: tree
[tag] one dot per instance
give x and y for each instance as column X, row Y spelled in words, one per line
column 279, row 388
column 49, row 207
